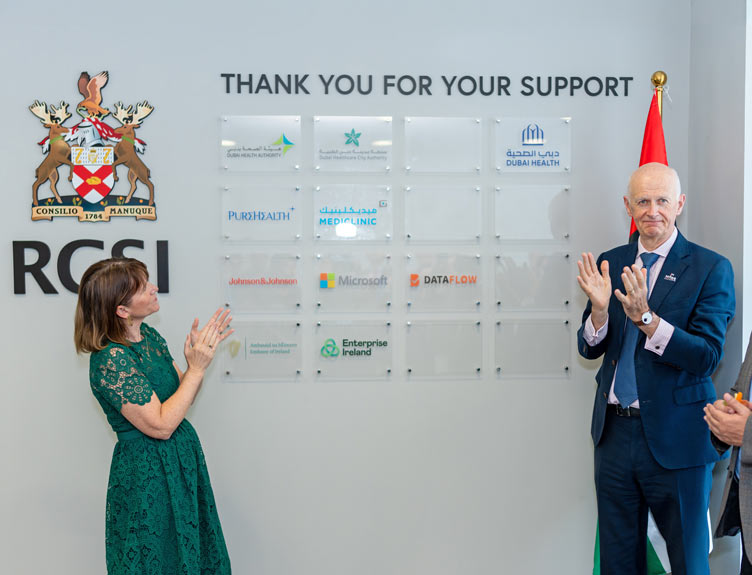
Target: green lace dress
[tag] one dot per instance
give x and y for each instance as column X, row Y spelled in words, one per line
column 161, row 517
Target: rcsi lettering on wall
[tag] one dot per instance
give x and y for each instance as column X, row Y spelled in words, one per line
column 92, row 150
column 36, row 268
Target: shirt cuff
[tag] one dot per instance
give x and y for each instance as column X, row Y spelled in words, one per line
column 593, row 337
column 657, row 344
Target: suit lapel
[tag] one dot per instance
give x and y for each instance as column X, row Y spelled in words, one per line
column 671, row 272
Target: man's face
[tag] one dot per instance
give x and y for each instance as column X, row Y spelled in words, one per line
column 653, row 203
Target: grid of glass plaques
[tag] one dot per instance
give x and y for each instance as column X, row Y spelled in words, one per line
column 339, row 267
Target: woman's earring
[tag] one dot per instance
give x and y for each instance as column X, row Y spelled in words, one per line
column 130, row 320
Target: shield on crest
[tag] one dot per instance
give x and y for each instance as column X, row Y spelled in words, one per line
column 92, row 172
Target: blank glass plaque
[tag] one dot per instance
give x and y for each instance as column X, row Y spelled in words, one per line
column 352, row 143
column 533, row 145
column 268, row 214
column 260, row 143
column 451, row 349
column 442, row 214
column 354, row 282
column 347, row 212
column 257, row 283
column 535, row 348
column 442, row 144
column 352, row 350
column 443, row 282
column 262, row 351
column 533, row 281
column 537, row 213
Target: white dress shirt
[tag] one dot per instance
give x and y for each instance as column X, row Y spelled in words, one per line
column 656, row 344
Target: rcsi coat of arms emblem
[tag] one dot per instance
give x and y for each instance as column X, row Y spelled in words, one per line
column 92, row 150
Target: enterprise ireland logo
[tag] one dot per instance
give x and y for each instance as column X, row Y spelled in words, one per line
column 330, row 349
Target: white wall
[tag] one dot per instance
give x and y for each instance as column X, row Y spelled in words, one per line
column 440, row 477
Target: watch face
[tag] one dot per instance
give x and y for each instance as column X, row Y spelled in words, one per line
column 647, row 317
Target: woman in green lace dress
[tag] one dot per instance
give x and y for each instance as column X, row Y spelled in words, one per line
column 161, row 517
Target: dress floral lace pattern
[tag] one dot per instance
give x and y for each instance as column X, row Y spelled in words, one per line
column 161, row 515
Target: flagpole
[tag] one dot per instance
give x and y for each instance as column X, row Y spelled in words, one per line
column 659, row 81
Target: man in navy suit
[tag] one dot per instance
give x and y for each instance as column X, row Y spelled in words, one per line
column 660, row 332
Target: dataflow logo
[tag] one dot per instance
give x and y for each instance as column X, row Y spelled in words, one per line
column 456, row 280
column 330, row 349
column 533, row 135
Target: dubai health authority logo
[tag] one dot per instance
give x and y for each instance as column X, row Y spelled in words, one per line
column 533, row 135
column 327, row 281
column 330, row 349
column 284, row 142
column 352, row 138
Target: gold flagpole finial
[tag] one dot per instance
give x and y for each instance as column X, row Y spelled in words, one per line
column 659, row 81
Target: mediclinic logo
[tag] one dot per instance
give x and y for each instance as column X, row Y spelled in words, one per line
column 352, row 138
column 330, row 349
column 533, row 135
column 284, row 142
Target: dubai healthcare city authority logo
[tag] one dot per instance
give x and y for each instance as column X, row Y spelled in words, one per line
column 352, row 138
column 92, row 150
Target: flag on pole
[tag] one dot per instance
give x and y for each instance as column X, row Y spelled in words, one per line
column 653, row 150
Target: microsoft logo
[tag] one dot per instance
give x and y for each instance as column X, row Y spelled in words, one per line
column 327, row 280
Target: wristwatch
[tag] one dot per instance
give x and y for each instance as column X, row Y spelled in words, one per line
column 646, row 319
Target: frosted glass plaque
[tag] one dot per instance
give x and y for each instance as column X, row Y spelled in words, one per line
column 260, row 143
column 268, row 214
column 353, row 282
column 258, row 283
column 443, row 282
column 352, row 143
column 533, row 280
column 353, row 350
column 537, row 213
column 533, row 145
column 535, row 348
column 442, row 144
column 347, row 212
column 262, row 351
column 442, row 214
column 451, row 349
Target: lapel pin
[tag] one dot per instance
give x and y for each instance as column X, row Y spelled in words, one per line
column 670, row 277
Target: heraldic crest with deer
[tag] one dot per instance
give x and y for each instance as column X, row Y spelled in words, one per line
column 92, row 150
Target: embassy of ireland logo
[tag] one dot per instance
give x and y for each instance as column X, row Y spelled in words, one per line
column 92, row 150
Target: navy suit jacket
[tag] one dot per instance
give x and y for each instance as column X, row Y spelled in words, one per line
column 695, row 294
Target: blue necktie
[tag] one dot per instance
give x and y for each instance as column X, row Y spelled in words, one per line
column 625, row 383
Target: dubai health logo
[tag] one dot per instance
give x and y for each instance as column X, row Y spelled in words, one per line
column 284, row 142
column 330, row 349
column 532, row 135
column 352, row 138
column 327, row 281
